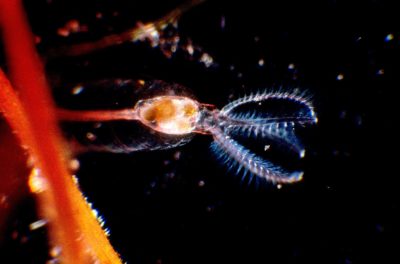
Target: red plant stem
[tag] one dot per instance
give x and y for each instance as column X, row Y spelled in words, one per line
column 13, row 111
column 28, row 77
column 73, row 227
column 13, row 168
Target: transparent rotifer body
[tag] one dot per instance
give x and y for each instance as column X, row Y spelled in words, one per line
column 161, row 115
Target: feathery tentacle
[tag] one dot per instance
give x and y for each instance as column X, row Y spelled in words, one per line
column 235, row 155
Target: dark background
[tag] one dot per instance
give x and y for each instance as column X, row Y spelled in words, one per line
column 181, row 205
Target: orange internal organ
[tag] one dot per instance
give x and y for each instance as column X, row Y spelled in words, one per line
column 176, row 115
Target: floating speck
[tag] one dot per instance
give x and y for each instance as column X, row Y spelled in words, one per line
column 77, row 90
column 62, row 32
column 206, row 59
column 210, row 208
column 261, row 62
column 153, row 184
column 340, row 77
column 177, row 155
column 389, row 37
column 223, row 22
column 97, row 125
column 90, row 136
column 380, row 72
column 170, row 175
column 190, row 49
column 72, row 26
column 55, row 252
column 73, row 164
column 358, row 120
column 37, row 224
column 99, row 15
column 343, row 114
column 291, row 66
column 201, row 183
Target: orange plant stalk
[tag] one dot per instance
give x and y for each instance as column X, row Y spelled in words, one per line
column 73, row 227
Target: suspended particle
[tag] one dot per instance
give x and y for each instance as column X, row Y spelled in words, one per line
column 72, row 26
column 210, row 208
column 177, row 155
column 74, row 164
column 389, row 37
column 99, row 15
column 207, row 60
column 189, row 49
column 37, row 224
column 77, row 90
column 55, row 252
column 358, row 120
column 90, row 136
column 223, row 22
